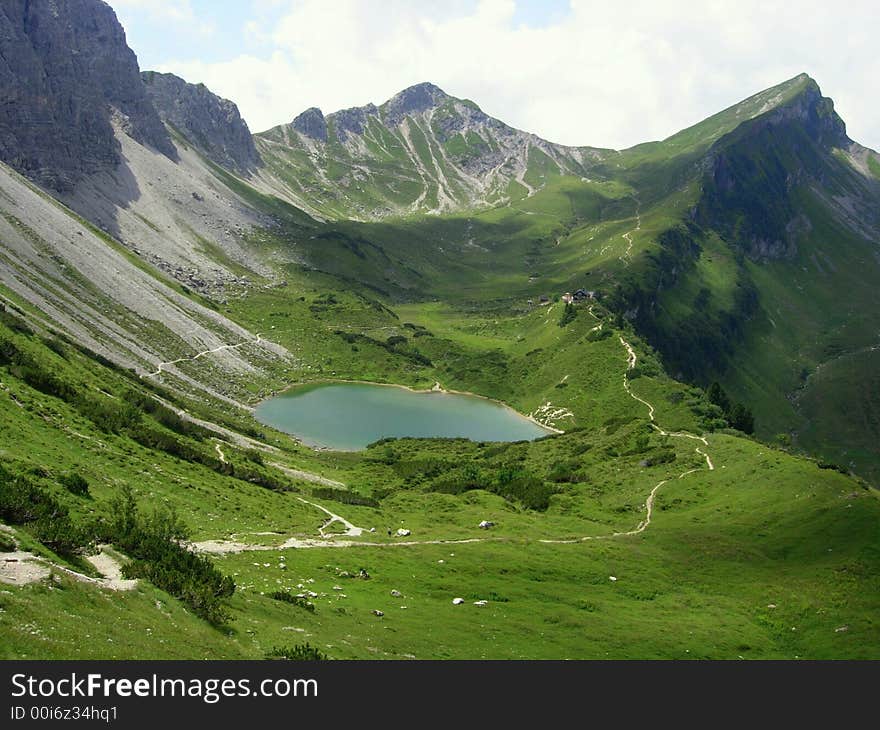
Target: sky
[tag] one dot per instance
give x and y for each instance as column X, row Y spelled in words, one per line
column 579, row 72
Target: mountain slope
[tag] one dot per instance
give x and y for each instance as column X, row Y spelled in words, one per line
column 744, row 249
column 68, row 277
column 782, row 276
column 128, row 223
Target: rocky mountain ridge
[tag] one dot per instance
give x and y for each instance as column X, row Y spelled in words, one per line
column 422, row 151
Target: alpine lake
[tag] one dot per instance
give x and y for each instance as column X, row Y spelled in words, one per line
column 350, row 416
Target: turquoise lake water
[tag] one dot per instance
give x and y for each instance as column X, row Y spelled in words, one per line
column 349, row 416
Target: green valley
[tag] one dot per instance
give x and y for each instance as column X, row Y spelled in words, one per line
column 694, row 321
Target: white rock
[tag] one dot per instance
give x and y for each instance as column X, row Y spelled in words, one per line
column 457, row 601
column 612, row 578
column 403, row 532
column 480, row 603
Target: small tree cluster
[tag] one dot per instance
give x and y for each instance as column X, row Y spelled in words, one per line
column 737, row 415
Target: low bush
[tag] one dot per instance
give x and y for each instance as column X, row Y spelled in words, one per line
column 288, row 597
column 154, row 543
column 75, row 483
column 299, row 653
column 24, row 503
column 344, row 496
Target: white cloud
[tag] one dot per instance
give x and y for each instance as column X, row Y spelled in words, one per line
column 606, row 74
column 178, row 12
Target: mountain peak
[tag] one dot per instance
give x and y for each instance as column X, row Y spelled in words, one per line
column 413, row 100
column 801, row 98
column 425, row 87
column 311, row 123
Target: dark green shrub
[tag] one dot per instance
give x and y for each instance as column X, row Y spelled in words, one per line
column 288, row 597
column 568, row 315
column 344, row 496
column 155, row 545
column 564, row 472
column 24, row 503
column 75, row 483
column 823, row 464
column 255, row 456
column 299, row 653
column 13, row 322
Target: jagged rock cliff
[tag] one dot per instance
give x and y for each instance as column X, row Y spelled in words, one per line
column 209, row 122
column 65, row 73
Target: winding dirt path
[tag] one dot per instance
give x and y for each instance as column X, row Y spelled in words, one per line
column 22, row 568
column 19, row 568
column 226, row 547
column 308, row 476
column 162, row 365
column 350, row 529
column 626, row 257
column 108, row 566
column 631, row 360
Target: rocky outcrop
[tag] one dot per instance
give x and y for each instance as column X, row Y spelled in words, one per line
column 311, row 123
column 212, row 124
column 349, row 122
column 66, row 73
